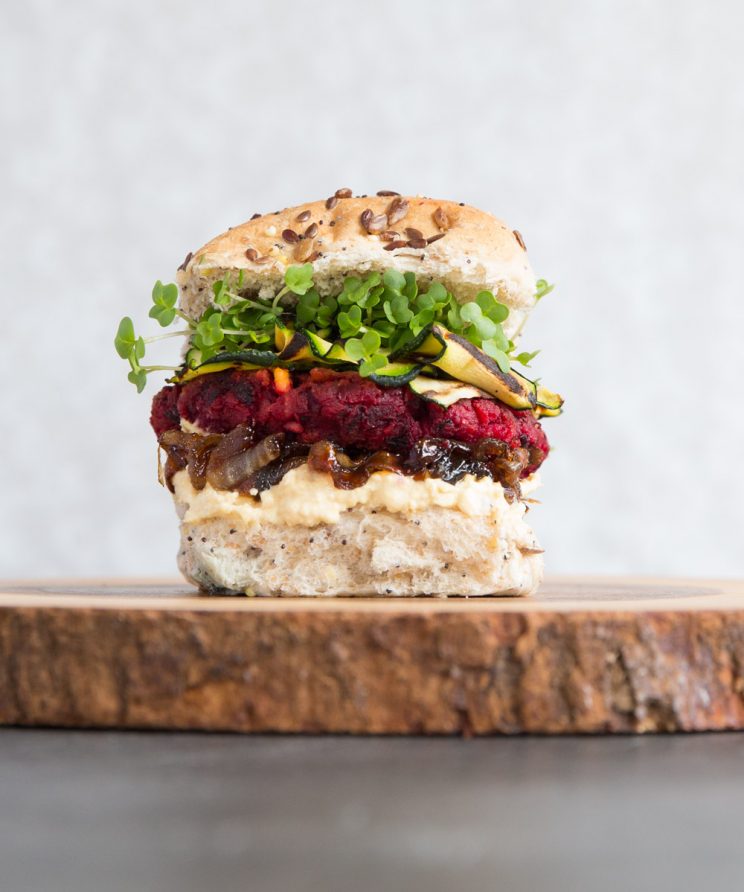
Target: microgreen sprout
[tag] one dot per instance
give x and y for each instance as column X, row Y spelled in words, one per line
column 372, row 317
column 163, row 303
column 132, row 348
column 526, row 358
column 542, row 288
column 364, row 350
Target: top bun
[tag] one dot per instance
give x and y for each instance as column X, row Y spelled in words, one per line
column 466, row 249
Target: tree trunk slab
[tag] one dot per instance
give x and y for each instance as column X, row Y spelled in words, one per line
column 587, row 656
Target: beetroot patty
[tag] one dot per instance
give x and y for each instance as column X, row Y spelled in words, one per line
column 341, row 407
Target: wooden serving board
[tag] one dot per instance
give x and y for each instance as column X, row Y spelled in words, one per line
column 583, row 656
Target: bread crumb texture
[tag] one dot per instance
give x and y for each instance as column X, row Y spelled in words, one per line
column 393, row 536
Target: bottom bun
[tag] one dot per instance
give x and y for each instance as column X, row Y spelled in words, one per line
column 365, row 551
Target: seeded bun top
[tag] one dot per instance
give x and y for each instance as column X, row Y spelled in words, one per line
column 466, row 249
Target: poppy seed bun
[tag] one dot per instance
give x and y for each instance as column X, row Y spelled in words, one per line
column 440, row 552
column 472, row 250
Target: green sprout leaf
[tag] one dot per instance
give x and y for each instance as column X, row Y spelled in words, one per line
column 542, row 288
column 326, row 312
column 496, row 353
column 394, row 280
column 307, row 307
column 400, row 311
column 364, row 351
column 422, row 320
column 410, row 288
column 138, row 377
column 371, row 342
column 125, row 339
column 438, row 293
column 355, row 349
column 209, row 331
column 221, row 293
column 299, row 279
column 495, row 311
column 350, row 323
column 482, row 328
column 471, row 312
column 164, row 299
column 526, row 358
column 454, row 319
column 370, row 366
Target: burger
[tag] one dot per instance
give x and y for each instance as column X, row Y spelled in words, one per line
column 351, row 414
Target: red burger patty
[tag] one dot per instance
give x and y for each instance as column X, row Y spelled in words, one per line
column 342, row 407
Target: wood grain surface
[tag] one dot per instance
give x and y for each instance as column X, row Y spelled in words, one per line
column 583, row 656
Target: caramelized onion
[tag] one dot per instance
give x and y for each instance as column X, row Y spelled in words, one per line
column 347, row 473
column 190, row 451
column 235, row 458
column 235, row 462
column 293, row 455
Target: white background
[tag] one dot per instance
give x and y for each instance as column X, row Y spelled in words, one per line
column 610, row 134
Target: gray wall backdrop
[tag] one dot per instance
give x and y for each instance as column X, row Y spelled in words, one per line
column 610, row 134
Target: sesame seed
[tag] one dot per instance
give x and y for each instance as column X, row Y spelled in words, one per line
column 397, row 210
column 441, row 219
column 304, row 250
column 373, row 223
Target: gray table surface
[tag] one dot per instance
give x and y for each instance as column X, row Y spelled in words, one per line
column 110, row 811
